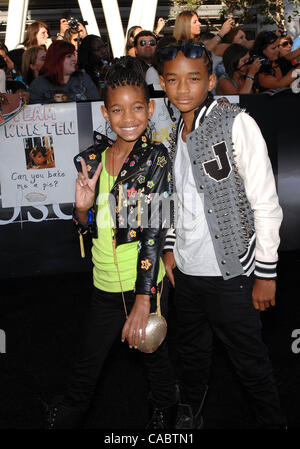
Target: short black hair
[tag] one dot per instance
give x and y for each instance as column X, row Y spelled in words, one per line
column 171, row 42
column 143, row 33
column 125, row 71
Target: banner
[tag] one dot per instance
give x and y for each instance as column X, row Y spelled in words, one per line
column 37, row 150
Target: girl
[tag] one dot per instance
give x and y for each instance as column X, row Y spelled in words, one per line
column 127, row 264
column 131, row 33
column 187, row 26
column 32, row 61
column 37, row 33
column 239, row 75
column 60, row 73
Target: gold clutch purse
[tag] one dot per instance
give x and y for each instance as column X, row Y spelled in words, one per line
column 156, row 330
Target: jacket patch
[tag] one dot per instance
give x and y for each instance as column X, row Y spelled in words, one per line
column 161, row 161
column 145, row 264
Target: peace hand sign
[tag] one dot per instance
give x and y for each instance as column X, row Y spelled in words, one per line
column 85, row 188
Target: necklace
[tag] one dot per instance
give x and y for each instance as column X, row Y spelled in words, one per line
column 113, row 235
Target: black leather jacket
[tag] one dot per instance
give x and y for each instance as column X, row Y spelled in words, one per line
column 139, row 197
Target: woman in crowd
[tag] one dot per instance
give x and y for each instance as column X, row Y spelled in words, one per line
column 129, row 47
column 235, row 36
column 37, row 34
column 4, row 54
column 93, row 58
column 60, row 74
column 285, row 45
column 239, row 75
column 32, row 61
column 276, row 72
column 285, row 49
column 187, row 26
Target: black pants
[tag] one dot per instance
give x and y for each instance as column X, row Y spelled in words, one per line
column 211, row 305
column 104, row 323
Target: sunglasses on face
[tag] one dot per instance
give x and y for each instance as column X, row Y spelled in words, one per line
column 190, row 50
column 286, row 43
column 152, row 42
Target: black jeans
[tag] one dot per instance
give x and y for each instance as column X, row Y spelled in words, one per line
column 211, row 305
column 104, row 323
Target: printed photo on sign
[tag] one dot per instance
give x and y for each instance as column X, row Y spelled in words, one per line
column 39, row 152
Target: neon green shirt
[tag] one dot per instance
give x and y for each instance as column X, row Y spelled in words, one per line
column 105, row 271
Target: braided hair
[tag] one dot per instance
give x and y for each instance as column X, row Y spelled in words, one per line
column 125, row 71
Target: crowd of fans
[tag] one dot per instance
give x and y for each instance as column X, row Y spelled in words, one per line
column 73, row 66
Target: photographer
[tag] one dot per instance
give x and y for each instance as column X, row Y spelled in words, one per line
column 72, row 30
column 276, row 72
column 240, row 71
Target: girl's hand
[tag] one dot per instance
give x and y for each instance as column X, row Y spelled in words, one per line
column 254, row 67
column 160, row 24
column 85, row 189
column 226, row 27
column 170, row 264
column 134, row 329
column 63, row 26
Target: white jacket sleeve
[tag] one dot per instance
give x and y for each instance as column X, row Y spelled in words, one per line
column 255, row 168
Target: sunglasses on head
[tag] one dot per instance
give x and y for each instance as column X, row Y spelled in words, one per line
column 190, row 50
column 286, row 43
column 152, row 42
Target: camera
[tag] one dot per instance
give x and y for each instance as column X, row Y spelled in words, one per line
column 169, row 22
column 74, row 24
column 265, row 62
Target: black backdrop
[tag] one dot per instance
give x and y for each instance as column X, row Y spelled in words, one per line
column 51, row 246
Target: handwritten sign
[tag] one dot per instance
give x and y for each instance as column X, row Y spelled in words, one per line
column 38, row 146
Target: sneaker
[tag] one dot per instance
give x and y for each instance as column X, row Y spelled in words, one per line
column 61, row 416
column 163, row 418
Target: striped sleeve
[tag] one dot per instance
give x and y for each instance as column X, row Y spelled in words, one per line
column 170, row 240
column 265, row 270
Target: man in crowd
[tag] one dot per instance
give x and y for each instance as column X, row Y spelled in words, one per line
column 145, row 47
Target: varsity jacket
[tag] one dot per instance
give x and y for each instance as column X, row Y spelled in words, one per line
column 141, row 187
column 231, row 167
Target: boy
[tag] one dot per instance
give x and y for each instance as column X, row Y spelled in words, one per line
column 224, row 250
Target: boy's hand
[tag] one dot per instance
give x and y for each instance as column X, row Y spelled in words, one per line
column 135, row 326
column 85, row 190
column 170, row 264
column 263, row 294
